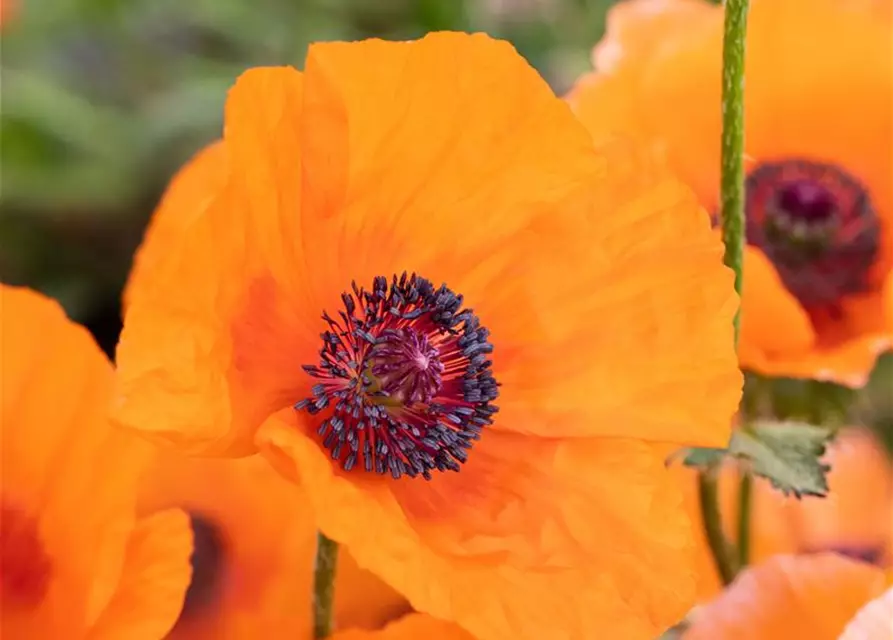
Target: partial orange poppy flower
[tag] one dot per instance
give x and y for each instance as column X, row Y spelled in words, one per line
column 7, row 10
column 874, row 621
column 274, row 304
column 74, row 560
column 819, row 150
column 855, row 519
column 410, row 627
column 811, row 596
column 255, row 545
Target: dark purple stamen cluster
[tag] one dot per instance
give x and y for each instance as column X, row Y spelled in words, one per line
column 817, row 225
column 405, row 379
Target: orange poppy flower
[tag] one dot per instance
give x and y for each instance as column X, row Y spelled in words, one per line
column 410, row 627
column 813, row 596
column 819, row 147
column 855, row 519
column 450, row 158
column 255, row 545
column 74, row 561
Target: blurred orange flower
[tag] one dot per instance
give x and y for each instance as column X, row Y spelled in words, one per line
column 255, row 545
column 410, row 627
column 874, row 621
column 855, row 519
column 7, row 10
column 74, row 561
column 819, row 146
column 451, row 158
column 813, row 596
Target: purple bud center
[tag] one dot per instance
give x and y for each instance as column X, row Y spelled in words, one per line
column 807, row 200
column 817, row 225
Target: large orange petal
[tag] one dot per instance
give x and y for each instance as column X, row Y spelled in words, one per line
column 790, row 597
column 156, row 574
column 535, row 538
column 315, row 201
column 779, row 339
column 772, row 321
column 410, row 627
column 187, row 200
column 175, row 343
column 598, row 333
column 395, row 139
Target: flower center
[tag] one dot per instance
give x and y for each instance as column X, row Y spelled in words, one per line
column 405, row 380
column 25, row 567
column 817, row 225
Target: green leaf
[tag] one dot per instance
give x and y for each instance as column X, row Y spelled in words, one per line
column 701, row 457
column 676, row 632
column 788, row 454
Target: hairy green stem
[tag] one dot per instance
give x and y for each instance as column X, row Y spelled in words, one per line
column 745, row 500
column 723, row 554
column 732, row 169
column 733, row 236
column 324, row 586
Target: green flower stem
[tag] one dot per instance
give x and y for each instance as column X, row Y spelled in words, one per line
column 732, row 169
column 324, row 586
column 723, row 554
column 745, row 500
column 734, row 237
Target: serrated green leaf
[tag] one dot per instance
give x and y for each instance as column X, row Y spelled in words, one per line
column 788, row 454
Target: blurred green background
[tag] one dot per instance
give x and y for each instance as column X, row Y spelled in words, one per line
column 102, row 101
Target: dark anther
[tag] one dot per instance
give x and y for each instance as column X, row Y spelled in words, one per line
column 405, row 379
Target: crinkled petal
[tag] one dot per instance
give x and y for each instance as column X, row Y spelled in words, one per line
column 533, row 538
column 597, row 333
